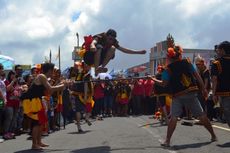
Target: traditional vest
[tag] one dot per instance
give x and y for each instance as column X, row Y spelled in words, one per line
column 181, row 78
column 79, row 86
column 223, row 78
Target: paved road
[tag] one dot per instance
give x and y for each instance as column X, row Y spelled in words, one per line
column 126, row 135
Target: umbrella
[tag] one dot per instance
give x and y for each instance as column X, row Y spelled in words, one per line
column 104, row 75
column 139, row 69
column 7, row 62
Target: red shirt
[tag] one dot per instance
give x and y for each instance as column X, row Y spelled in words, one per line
column 138, row 88
column 13, row 96
column 99, row 91
column 148, row 85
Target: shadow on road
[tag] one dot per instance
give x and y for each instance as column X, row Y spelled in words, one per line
column 101, row 149
column 75, row 132
column 193, row 145
column 29, row 151
column 107, row 149
column 225, row 145
column 40, row 151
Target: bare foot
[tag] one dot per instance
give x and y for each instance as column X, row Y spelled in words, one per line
column 214, row 138
column 44, row 145
column 165, row 143
column 36, row 147
column 88, row 122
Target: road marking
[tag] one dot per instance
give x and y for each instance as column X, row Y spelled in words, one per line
column 220, row 127
column 158, row 137
column 215, row 126
column 154, row 134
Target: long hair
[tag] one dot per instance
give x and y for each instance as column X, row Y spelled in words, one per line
column 9, row 75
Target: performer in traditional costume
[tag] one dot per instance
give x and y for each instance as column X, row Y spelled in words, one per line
column 220, row 78
column 82, row 92
column 32, row 103
column 123, row 97
column 57, row 101
column 99, row 49
column 161, row 93
column 182, row 78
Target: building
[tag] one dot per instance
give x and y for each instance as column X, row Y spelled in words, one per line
column 158, row 56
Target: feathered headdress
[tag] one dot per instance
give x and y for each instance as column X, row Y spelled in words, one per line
column 174, row 51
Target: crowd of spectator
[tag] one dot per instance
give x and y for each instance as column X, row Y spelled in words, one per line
column 122, row 97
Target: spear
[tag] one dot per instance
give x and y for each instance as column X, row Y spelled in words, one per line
column 59, row 58
column 77, row 39
column 50, row 56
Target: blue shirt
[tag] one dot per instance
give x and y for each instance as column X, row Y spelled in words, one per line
column 166, row 76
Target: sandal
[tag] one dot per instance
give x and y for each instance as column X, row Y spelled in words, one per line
column 7, row 136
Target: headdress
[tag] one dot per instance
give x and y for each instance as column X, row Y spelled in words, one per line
column 56, row 73
column 160, row 68
column 199, row 59
column 174, row 51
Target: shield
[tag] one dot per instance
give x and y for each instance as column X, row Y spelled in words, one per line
column 7, row 62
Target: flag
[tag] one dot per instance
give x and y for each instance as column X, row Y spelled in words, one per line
column 59, row 103
column 59, row 57
column 193, row 58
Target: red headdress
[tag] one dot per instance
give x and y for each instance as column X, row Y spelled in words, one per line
column 88, row 41
column 174, row 51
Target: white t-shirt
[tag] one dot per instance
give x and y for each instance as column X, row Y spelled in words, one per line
column 3, row 88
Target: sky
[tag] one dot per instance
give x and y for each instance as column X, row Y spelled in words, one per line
column 29, row 29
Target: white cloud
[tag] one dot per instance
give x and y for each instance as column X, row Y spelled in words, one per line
column 190, row 8
column 39, row 27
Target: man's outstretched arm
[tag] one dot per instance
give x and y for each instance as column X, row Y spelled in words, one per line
column 131, row 51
